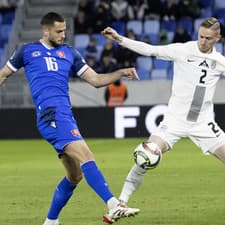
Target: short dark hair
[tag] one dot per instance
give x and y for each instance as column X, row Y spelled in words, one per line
column 50, row 18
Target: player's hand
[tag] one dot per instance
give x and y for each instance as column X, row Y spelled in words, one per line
column 130, row 73
column 111, row 34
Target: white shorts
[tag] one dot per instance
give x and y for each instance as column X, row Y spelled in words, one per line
column 206, row 134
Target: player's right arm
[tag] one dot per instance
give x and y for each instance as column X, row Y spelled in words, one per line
column 168, row 52
column 136, row 46
column 5, row 72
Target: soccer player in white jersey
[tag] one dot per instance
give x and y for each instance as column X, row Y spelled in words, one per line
column 197, row 68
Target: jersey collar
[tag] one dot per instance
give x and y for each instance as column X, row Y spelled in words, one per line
column 45, row 45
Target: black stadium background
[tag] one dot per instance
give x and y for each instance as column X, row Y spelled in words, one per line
column 93, row 122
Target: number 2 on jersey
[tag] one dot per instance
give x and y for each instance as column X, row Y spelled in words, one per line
column 214, row 128
column 204, row 73
column 51, row 63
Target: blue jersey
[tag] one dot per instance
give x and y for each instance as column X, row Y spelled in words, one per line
column 48, row 71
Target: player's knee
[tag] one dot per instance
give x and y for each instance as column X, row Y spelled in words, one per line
column 220, row 153
column 75, row 179
column 159, row 143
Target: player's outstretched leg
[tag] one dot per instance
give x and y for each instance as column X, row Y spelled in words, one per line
column 132, row 182
column 147, row 156
column 98, row 183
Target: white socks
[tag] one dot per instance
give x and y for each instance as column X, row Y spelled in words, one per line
column 51, row 222
column 132, row 182
column 112, row 203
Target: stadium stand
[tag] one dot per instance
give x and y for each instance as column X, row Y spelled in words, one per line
column 119, row 26
column 153, row 38
column 136, row 26
column 23, row 26
column 159, row 74
column 169, row 25
column 144, row 62
column 148, row 30
column 160, row 64
column 187, row 24
column 151, row 26
column 81, row 40
column 143, row 74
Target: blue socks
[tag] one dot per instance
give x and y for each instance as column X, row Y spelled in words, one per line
column 64, row 190
column 62, row 194
column 96, row 180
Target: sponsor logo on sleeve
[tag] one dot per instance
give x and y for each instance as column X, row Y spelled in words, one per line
column 75, row 132
column 36, row 54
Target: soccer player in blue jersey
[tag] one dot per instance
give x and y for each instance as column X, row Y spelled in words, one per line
column 48, row 63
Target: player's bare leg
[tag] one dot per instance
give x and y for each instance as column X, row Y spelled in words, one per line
column 61, row 196
column 81, row 152
column 220, row 153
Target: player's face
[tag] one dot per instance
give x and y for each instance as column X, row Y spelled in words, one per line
column 55, row 34
column 206, row 39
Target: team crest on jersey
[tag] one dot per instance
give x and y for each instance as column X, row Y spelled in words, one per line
column 36, row 53
column 60, row 54
column 213, row 64
column 75, row 132
column 204, row 63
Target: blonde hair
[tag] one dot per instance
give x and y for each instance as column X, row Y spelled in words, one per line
column 211, row 23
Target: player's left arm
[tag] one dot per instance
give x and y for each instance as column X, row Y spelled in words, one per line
column 103, row 79
column 5, row 72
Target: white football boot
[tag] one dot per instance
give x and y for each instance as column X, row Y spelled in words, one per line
column 118, row 212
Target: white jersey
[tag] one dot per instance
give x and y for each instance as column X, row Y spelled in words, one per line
column 195, row 77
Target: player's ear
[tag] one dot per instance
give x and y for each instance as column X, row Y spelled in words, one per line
column 218, row 37
column 45, row 31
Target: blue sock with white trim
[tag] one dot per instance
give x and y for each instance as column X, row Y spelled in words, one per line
column 62, row 194
column 96, row 180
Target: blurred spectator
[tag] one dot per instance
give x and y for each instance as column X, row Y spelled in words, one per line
column 153, row 11
column 163, row 37
column 102, row 16
column 91, row 49
column 109, row 49
column 188, row 9
column 116, row 94
column 93, row 63
column 87, row 6
column 107, row 64
column 125, row 57
column 10, row 5
column 119, row 10
column 146, row 39
column 181, row 35
column 169, row 10
column 136, row 9
column 83, row 22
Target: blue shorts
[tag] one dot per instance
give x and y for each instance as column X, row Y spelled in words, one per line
column 58, row 126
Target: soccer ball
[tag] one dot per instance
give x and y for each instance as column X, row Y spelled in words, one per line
column 147, row 155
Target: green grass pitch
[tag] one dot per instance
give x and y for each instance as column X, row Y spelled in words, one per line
column 187, row 188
